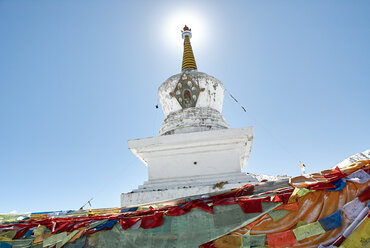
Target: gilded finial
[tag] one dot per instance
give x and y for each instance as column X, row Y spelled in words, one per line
column 188, row 60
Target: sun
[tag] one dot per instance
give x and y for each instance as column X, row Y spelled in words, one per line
column 175, row 22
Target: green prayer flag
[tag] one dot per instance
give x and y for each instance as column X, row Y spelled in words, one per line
column 308, row 230
column 54, row 239
column 253, row 240
column 21, row 243
column 278, row 214
column 303, row 191
column 39, row 230
column 67, row 238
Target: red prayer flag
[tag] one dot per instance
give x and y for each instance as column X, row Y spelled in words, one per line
column 291, row 206
column 282, row 198
column 335, row 175
column 128, row 222
column 247, row 189
column 365, row 195
column 202, row 205
column 175, row 211
column 317, row 186
column 21, row 232
column 197, row 204
column 282, row 239
column 250, row 205
column 152, row 221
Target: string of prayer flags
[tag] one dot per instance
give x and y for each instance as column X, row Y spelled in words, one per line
column 56, row 229
column 332, row 221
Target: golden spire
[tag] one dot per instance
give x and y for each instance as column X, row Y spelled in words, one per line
column 188, row 60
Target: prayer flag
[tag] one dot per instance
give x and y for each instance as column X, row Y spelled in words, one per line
column 152, row 221
column 303, row 168
column 282, row 239
column 308, row 230
column 359, row 176
column 360, row 237
column 339, row 184
column 353, row 208
column 254, row 240
column 332, row 221
column 128, row 222
column 250, row 205
column 278, row 214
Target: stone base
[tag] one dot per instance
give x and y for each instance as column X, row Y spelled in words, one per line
column 195, row 181
column 148, row 196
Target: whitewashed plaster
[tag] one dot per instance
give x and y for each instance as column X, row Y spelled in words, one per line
column 193, row 120
column 206, row 115
column 212, row 97
column 192, row 154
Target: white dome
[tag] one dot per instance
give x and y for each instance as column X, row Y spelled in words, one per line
column 206, row 115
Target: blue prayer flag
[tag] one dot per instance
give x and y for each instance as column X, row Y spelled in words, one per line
column 339, row 185
column 332, row 221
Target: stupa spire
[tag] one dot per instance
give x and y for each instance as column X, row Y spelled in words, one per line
column 188, row 60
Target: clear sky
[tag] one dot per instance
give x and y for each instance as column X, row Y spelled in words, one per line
column 80, row 78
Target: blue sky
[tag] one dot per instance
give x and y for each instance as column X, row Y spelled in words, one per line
column 80, row 78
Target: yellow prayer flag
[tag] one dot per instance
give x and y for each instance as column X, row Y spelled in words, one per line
column 7, row 236
column 309, row 230
column 360, row 237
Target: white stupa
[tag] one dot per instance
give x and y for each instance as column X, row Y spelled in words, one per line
column 196, row 152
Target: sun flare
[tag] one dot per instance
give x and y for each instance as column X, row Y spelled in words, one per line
column 175, row 23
